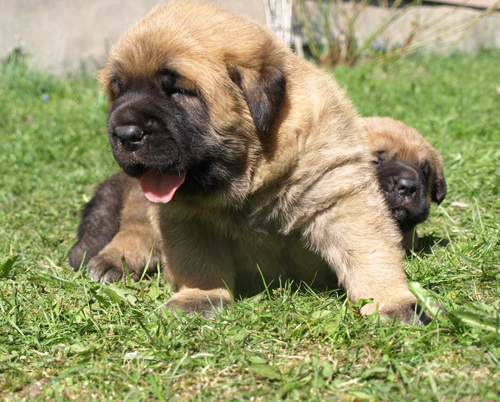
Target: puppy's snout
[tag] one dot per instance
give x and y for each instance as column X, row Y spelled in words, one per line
column 406, row 187
column 130, row 137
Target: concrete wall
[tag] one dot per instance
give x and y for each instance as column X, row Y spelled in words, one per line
column 73, row 35
column 68, row 35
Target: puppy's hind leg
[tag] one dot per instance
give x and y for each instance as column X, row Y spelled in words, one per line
column 135, row 240
column 100, row 220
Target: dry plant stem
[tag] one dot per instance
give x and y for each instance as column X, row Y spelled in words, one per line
column 388, row 20
column 452, row 29
column 338, row 43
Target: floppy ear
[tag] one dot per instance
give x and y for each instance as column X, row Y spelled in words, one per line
column 438, row 187
column 264, row 91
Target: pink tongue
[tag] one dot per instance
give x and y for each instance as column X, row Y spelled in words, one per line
column 159, row 187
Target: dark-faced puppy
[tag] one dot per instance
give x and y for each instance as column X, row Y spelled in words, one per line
column 409, row 170
column 253, row 160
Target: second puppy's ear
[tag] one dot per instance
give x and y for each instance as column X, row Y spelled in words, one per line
column 264, row 91
column 438, row 188
column 434, row 172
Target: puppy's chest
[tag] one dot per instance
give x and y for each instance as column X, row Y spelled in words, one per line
column 258, row 246
column 246, row 231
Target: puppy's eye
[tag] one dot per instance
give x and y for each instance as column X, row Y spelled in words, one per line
column 426, row 168
column 378, row 157
column 167, row 81
column 116, row 86
column 177, row 91
column 171, row 85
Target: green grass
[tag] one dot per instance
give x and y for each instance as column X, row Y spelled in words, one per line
column 65, row 337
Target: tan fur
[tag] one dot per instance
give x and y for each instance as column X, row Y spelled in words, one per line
column 135, row 240
column 307, row 202
column 399, row 142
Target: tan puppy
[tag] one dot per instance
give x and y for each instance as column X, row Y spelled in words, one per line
column 254, row 162
column 409, row 170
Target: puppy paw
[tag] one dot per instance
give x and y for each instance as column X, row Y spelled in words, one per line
column 195, row 301
column 79, row 255
column 405, row 308
column 101, row 269
column 412, row 313
column 107, row 266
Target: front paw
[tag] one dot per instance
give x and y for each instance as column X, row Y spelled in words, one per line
column 206, row 303
column 105, row 270
column 107, row 266
column 404, row 308
column 412, row 313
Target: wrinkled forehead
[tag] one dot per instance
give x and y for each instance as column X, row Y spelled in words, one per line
column 141, row 57
column 398, row 146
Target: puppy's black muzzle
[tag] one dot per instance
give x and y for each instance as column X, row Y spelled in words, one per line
column 400, row 179
column 405, row 190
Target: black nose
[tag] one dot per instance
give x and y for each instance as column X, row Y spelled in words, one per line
column 406, row 187
column 130, row 136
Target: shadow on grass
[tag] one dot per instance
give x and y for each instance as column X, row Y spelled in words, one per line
column 427, row 242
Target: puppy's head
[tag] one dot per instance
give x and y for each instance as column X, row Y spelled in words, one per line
column 409, row 169
column 193, row 91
